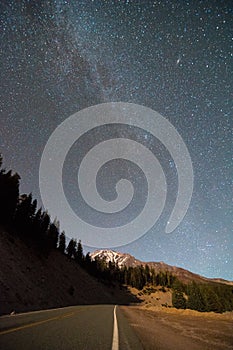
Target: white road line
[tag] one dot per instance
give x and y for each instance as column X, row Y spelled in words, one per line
column 115, row 337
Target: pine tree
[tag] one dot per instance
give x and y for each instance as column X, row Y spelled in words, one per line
column 88, row 263
column 53, row 234
column 79, row 257
column 45, row 222
column 36, row 224
column 62, row 242
column 71, row 248
column 40, row 225
column 212, row 299
column 24, row 214
column 196, row 300
column 147, row 274
column 9, row 193
column 178, row 299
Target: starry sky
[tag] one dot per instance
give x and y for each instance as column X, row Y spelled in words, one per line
column 175, row 57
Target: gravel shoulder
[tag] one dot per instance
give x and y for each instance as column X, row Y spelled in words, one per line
column 164, row 329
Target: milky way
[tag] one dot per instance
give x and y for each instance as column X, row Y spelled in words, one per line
column 172, row 56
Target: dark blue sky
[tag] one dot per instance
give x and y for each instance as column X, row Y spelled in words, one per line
column 175, row 57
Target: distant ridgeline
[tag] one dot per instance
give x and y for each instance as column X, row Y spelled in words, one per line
column 19, row 216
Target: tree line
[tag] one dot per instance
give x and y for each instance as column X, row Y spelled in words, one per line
column 20, row 215
column 203, row 297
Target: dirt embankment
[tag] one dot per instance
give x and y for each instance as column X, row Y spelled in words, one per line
column 165, row 329
column 29, row 281
column 156, row 296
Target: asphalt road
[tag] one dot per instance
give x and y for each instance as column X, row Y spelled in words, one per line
column 79, row 327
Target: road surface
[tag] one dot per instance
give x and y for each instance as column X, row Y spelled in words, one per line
column 71, row 328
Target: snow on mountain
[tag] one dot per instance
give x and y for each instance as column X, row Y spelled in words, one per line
column 124, row 259
column 116, row 257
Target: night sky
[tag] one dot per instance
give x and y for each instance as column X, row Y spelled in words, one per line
column 175, row 57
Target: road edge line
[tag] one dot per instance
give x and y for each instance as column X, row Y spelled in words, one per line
column 115, row 336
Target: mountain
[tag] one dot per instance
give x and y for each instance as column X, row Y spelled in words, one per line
column 123, row 259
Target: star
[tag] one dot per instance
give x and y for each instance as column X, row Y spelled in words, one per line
column 60, row 57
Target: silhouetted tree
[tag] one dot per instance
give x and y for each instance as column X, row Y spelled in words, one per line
column 71, row 248
column 79, row 256
column 52, row 235
column 24, row 214
column 62, row 242
column 9, row 193
column 41, row 223
column 88, row 263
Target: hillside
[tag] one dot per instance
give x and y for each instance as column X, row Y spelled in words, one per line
column 29, row 281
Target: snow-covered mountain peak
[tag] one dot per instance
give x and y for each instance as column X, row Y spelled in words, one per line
column 110, row 255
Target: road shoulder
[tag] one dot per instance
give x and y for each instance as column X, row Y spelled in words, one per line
column 161, row 330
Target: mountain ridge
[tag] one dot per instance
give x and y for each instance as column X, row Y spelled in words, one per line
column 128, row 260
